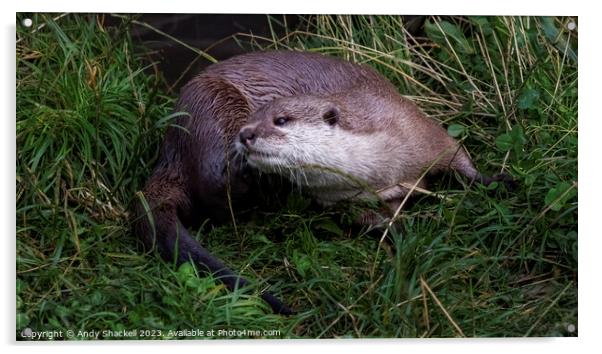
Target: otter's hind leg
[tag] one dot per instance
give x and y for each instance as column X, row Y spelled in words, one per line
column 391, row 198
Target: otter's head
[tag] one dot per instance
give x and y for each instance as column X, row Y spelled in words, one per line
column 310, row 140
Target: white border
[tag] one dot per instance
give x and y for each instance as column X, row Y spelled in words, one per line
column 589, row 157
column 441, row 7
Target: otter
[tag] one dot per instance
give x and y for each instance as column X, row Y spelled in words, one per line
column 272, row 111
column 361, row 144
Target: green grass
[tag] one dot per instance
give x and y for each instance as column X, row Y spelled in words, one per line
column 480, row 262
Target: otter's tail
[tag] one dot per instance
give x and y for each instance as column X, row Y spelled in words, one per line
column 463, row 164
column 158, row 224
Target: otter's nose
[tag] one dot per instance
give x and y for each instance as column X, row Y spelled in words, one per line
column 247, row 136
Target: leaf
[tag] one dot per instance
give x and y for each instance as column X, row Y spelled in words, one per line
column 504, row 142
column 96, row 298
column 549, row 28
column 330, row 226
column 302, row 263
column 22, row 320
column 492, row 186
column 556, row 37
column 192, row 282
column 504, row 212
column 262, row 238
column 455, row 130
column 554, row 199
column 528, row 99
column 482, row 22
column 170, row 300
column 518, row 138
column 20, row 285
column 185, row 272
column 515, row 139
column 479, row 20
column 445, row 31
column 41, row 150
column 162, row 122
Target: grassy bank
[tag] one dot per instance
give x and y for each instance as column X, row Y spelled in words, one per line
column 476, row 262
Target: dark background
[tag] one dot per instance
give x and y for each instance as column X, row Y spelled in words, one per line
column 215, row 34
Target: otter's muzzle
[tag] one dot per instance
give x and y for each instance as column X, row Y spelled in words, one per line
column 247, row 136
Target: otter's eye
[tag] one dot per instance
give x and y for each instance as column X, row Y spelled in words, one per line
column 331, row 116
column 280, row 121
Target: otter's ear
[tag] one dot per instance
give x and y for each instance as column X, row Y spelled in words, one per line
column 331, row 116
